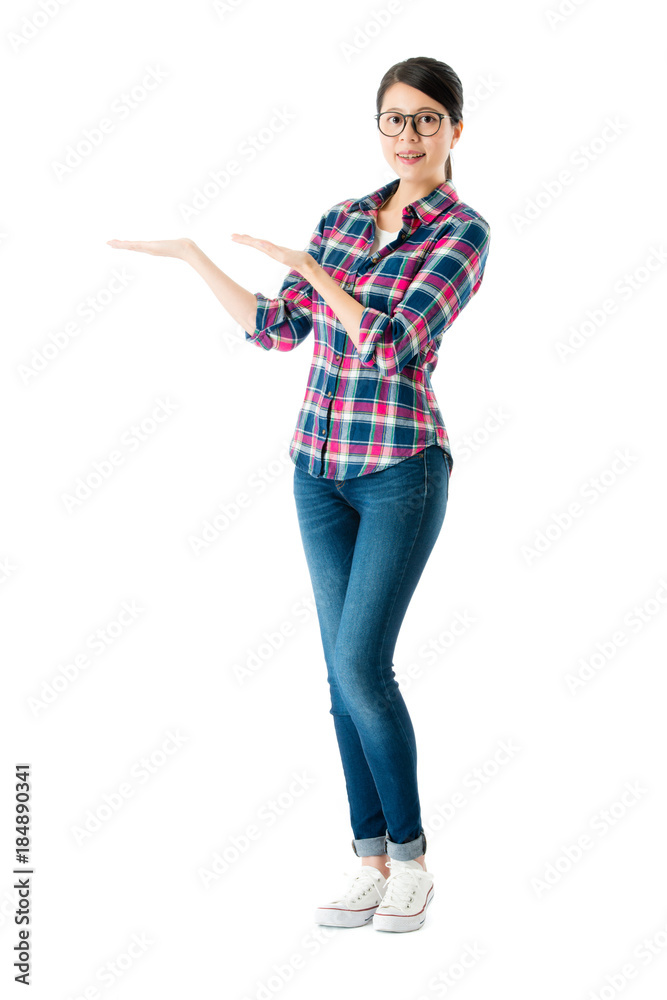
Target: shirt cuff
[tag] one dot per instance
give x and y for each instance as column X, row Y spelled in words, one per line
column 265, row 317
column 372, row 326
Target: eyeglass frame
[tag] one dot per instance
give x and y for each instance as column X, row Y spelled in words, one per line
column 405, row 122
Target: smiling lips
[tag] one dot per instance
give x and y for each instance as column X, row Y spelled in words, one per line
column 410, row 156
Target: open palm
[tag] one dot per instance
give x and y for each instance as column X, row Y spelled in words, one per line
column 159, row 248
column 294, row 259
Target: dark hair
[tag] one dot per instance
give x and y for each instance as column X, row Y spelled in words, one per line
column 432, row 77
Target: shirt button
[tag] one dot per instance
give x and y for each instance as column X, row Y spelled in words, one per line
column 328, row 394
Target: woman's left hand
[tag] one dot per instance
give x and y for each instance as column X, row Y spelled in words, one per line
column 296, row 260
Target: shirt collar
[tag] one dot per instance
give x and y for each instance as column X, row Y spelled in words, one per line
column 427, row 208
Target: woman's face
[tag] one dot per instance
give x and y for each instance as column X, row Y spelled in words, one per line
column 429, row 167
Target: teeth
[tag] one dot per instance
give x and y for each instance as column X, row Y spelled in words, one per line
column 410, row 156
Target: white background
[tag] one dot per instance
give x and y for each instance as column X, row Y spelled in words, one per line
column 533, row 432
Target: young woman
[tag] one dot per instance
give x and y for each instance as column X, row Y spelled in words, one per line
column 381, row 280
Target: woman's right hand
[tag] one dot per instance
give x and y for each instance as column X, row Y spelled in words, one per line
column 159, row 248
column 237, row 300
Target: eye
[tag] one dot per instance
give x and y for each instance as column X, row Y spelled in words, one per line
column 427, row 118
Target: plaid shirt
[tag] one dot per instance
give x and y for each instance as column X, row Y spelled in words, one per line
column 367, row 409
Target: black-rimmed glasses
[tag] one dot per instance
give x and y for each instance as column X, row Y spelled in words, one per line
column 424, row 122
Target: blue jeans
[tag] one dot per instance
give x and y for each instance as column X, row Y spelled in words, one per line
column 366, row 541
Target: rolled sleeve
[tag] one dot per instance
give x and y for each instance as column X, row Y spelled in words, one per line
column 371, row 329
column 284, row 321
column 449, row 277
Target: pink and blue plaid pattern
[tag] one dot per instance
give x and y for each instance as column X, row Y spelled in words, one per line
column 366, row 410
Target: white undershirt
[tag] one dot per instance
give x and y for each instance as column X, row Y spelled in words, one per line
column 382, row 237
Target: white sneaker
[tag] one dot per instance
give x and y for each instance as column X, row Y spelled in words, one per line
column 408, row 893
column 358, row 902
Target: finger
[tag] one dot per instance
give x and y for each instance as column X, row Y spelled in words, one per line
column 146, row 247
column 249, row 240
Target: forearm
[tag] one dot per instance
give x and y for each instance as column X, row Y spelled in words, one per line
column 240, row 303
column 346, row 308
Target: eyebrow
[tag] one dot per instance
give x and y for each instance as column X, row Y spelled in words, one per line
column 425, row 108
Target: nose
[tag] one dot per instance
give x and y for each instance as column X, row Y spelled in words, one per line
column 403, row 136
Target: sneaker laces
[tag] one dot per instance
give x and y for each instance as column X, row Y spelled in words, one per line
column 401, row 885
column 362, row 879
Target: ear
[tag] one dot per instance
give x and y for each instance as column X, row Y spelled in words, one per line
column 458, row 128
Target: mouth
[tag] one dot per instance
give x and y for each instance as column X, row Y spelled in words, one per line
column 410, row 157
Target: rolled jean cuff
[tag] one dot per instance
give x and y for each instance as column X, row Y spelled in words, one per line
column 407, row 852
column 371, row 847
